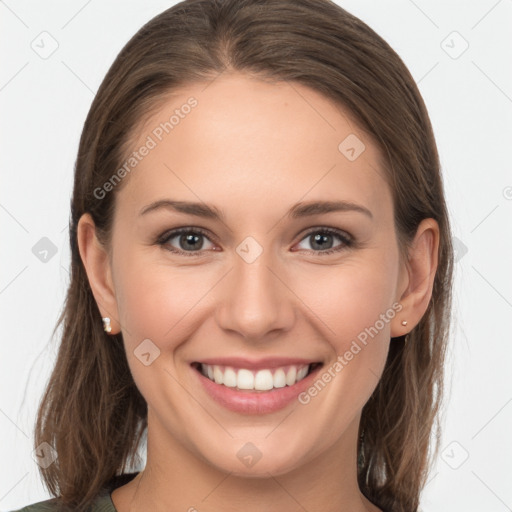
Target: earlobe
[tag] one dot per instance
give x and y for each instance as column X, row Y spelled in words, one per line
column 97, row 266
column 421, row 269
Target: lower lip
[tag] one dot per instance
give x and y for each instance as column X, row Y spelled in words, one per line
column 259, row 402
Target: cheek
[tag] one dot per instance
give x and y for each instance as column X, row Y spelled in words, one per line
column 155, row 299
column 153, row 303
column 350, row 299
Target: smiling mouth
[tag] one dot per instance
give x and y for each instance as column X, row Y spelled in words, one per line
column 265, row 379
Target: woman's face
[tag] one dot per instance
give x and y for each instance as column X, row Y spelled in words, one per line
column 262, row 288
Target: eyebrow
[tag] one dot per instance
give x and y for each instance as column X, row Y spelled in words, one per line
column 299, row 210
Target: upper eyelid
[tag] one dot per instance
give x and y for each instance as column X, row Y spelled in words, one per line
column 170, row 234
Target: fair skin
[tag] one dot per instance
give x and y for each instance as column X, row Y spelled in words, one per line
column 253, row 150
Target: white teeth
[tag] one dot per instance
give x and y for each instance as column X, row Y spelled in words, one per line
column 261, row 380
column 230, row 378
column 279, row 378
column 291, row 376
column 302, row 373
column 218, row 375
column 245, row 379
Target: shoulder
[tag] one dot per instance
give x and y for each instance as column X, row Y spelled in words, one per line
column 102, row 502
column 40, row 506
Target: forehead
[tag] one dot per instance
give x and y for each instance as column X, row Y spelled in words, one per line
column 242, row 143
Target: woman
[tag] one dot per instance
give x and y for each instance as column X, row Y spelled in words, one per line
column 261, row 272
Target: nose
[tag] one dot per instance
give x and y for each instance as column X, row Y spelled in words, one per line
column 256, row 302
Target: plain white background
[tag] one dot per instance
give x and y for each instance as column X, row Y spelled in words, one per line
column 468, row 91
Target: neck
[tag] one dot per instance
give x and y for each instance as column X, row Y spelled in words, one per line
column 175, row 479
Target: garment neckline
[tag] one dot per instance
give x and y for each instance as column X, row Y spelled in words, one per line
column 112, row 485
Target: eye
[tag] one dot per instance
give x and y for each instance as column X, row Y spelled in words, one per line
column 322, row 239
column 189, row 241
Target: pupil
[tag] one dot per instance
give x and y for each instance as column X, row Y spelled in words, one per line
column 190, row 239
column 319, row 239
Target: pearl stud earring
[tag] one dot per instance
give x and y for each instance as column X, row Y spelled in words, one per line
column 106, row 324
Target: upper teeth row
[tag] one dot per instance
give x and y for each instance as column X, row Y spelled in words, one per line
column 261, row 380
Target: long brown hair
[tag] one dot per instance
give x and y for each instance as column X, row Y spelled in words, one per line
column 92, row 412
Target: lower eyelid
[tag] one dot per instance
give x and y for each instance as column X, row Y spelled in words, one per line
column 346, row 241
column 165, row 240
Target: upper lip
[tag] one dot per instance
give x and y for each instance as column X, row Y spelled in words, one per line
column 257, row 364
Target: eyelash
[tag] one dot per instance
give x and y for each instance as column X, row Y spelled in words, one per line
column 347, row 240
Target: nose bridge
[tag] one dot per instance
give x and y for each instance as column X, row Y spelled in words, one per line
column 255, row 301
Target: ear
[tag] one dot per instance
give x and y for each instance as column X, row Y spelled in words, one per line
column 97, row 266
column 415, row 289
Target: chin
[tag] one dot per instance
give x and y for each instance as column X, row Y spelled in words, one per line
column 249, row 462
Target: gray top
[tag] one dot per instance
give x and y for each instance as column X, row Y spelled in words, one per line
column 102, row 503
